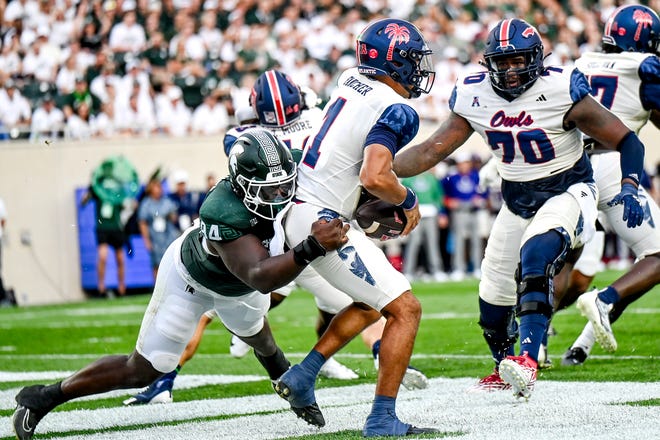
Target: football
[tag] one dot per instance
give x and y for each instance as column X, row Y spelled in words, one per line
column 380, row 219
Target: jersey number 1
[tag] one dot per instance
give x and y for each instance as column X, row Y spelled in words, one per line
column 313, row 153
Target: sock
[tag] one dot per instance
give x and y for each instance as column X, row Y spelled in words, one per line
column 53, row 395
column 275, row 365
column 609, row 295
column 532, row 328
column 313, row 362
column 500, row 329
column 375, row 349
column 383, row 405
column 586, row 339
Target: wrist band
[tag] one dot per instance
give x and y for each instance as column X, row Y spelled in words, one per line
column 410, row 201
column 307, row 250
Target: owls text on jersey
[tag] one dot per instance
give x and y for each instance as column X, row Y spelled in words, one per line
column 328, row 175
column 223, row 217
column 527, row 134
column 627, row 83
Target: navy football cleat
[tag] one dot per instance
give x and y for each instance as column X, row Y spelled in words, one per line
column 160, row 391
column 294, row 387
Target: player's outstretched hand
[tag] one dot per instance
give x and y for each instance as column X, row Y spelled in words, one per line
column 633, row 212
column 331, row 234
column 413, row 216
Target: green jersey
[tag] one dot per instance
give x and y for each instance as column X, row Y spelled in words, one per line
column 223, row 218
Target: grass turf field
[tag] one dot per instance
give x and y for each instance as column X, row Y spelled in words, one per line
column 217, row 396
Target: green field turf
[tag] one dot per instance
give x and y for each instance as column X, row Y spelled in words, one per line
column 63, row 338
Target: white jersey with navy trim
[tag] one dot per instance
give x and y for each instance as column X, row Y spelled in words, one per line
column 294, row 135
column 328, row 175
column 528, row 138
column 616, row 83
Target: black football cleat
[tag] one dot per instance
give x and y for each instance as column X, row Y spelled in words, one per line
column 24, row 421
column 574, row 356
column 414, row 430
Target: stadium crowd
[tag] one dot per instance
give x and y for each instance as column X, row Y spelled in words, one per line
column 105, row 68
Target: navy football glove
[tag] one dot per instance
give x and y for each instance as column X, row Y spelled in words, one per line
column 632, row 209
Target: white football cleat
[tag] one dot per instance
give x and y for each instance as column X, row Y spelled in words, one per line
column 238, row 348
column 598, row 313
column 334, row 370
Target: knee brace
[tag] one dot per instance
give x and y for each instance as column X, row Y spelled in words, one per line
column 535, row 296
column 502, row 333
column 544, row 254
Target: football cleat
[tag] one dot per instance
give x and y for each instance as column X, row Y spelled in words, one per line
column 574, row 356
column 544, row 363
column 24, row 421
column 490, row 383
column 296, row 388
column 388, row 424
column 413, row 379
column 332, row 369
column 598, row 313
column 238, row 348
column 520, row 373
column 160, row 391
column 26, row 416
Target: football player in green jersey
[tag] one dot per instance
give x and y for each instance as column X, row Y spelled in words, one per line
column 222, row 263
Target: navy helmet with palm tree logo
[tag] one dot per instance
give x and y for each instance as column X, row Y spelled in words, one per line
column 396, row 48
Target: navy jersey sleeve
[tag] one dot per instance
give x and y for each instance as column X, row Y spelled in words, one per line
column 395, row 128
column 649, row 93
column 579, row 86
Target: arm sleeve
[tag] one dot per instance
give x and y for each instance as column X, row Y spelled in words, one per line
column 395, row 127
column 579, row 86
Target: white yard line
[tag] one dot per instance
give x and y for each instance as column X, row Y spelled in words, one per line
column 557, row 410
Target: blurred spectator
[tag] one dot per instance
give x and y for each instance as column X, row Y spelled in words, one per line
column 101, row 84
column 158, row 222
column 210, row 117
column 128, row 35
column 137, row 118
column 40, row 61
column 103, row 125
column 65, row 81
column 429, row 193
column 463, row 199
column 15, row 111
column 187, row 201
column 79, row 124
column 47, row 120
column 172, row 116
column 80, row 94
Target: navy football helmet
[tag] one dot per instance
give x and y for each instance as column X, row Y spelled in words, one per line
column 396, row 48
column 632, row 28
column 513, row 37
column 262, row 172
column 276, row 99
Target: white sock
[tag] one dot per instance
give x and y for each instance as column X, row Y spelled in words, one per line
column 586, row 339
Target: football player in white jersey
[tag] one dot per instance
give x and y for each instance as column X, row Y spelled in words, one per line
column 529, row 115
column 279, row 106
column 625, row 78
column 366, row 122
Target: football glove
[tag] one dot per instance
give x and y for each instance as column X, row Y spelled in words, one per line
column 633, row 212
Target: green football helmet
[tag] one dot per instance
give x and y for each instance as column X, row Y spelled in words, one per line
column 262, row 172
